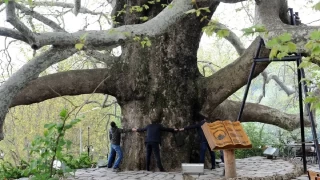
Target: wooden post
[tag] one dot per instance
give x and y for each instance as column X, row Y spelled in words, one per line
column 229, row 163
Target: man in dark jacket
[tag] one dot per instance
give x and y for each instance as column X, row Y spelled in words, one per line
column 115, row 137
column 153, row 141
column 203, row 142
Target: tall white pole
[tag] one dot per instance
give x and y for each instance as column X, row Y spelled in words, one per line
column 80, row 134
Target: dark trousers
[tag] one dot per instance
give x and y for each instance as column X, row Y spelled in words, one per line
column 221, row 156
column 203, row 148
column 152, row 146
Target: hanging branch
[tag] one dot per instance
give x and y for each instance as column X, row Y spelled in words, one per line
column 77, row 6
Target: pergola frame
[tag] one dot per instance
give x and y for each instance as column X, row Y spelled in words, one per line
column 301, row 84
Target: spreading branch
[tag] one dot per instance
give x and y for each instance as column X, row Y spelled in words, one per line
column 115, row 36
column 77, row 81
column 257, row 113
column 27, row 73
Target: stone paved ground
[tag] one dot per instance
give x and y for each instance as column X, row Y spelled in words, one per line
column 249, row 168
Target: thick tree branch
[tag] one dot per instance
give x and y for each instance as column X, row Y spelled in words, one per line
column 229, row 79
column 15, row 22
column 257, row 113
column 39, row 17
column 74, row 82
column 28, row 72
column 12, row 34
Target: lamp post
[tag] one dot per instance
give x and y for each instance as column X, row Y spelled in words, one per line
column 88, row 146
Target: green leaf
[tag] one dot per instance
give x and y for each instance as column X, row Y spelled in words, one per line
column 190, row 11
column 281, row 55
column 145, row 6
column 63, row 113
column 148, row 43
column 309, row 45
column 151, row 2
column 30, row 2
column 285, row 37
column 75, row 121
column 136, row 38
column 206, row 9
column 164, row 5
column 271, row 43
column 198, row 13
column 273, row 53
column 292, row 47
column 223, row 33
column 304, row 64
column 143, row 43
column 316, row 50
column 144, row 18
column 49, row 126
column 315, row 35
column 79, row 46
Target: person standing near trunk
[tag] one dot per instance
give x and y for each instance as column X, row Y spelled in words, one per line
column 115, row 149
column 153, row 141
column 203, row 141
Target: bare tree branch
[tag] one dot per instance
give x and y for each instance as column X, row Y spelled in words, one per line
column 77, row 6
column 12, row 34
column 66, row 5
column 24, row 30
column 39, row 17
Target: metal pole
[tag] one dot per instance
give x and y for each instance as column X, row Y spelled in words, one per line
column 246, row 91
column 311, row 118
column 301, row 119
column 291, row 16
column 249, row 80
column 88, row 142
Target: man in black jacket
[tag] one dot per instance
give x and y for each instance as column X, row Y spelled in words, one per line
column 203, row 142
column 153, row 141
column 115, row 137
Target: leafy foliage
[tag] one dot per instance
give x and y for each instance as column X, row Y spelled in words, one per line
column 213, row 27
column 45, row 150
column 281, row 46
column 253, row 29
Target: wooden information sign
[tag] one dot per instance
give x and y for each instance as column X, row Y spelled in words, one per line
column 226, row 135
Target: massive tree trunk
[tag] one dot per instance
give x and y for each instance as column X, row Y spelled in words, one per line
column 163, row 80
